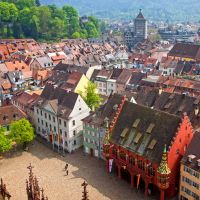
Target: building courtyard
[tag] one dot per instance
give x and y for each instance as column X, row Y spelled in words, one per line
column 49, row 169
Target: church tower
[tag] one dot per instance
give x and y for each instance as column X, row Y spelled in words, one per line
column 140, row 27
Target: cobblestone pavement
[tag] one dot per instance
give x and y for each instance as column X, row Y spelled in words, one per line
column 49, row 168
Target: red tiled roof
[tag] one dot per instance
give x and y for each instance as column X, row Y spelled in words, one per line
column 10, row 113
column 4, row 51
column 6, row 85
column 60, row 57
column 24, row 98
column 74, row 78
column 185, row 50
column 17, row 65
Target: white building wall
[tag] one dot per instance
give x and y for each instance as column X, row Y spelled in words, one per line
column 80, row 111
column 111, row 86
column 72, row 134
column 102, row 87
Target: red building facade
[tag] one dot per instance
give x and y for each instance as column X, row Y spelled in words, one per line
column 147, row 145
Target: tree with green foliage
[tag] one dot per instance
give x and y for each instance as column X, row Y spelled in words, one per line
column 91, row 30
column 94, row 21
column 27, row 18
column 5, row 143
column 76, row 35
column 91, row 97
column 22, row 132
column 21, row 4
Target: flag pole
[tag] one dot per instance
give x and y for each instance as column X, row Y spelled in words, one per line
column 58, row 142
column 63, row 141
column 53, row 140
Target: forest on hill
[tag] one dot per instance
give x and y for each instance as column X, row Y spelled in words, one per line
column 30, row 19
column 171, row 10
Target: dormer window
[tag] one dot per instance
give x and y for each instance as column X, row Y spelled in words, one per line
column 191, row 157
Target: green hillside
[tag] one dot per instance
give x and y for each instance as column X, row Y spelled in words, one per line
column 179, row 10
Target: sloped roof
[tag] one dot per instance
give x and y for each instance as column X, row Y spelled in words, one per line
column 124, row 76
column 45, row 60
column 3, row 68
column 165, row 127
column 185, row 50
column 17, row 65
column 136, row 78
column 105, row 111
column 173, row 103
column 10, row 113
column 62, row 101
column 24, row 98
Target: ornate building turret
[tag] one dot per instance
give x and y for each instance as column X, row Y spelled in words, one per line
column 163, row 174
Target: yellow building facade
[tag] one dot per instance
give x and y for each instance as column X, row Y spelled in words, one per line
column 189, row 184
column 190, row 171
column 82, row 85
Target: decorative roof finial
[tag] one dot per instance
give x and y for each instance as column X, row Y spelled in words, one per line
column 163, row 167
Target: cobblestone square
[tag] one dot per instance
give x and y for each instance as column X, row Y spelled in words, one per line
column 49, row 169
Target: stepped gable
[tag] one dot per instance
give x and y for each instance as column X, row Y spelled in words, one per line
column 139, row 120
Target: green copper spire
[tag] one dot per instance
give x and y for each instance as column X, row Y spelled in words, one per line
column 163, row 167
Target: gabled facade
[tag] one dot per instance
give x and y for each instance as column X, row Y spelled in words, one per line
column 58, row 118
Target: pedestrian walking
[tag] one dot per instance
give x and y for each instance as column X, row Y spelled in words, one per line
column 66, row 166
column 67, row 172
